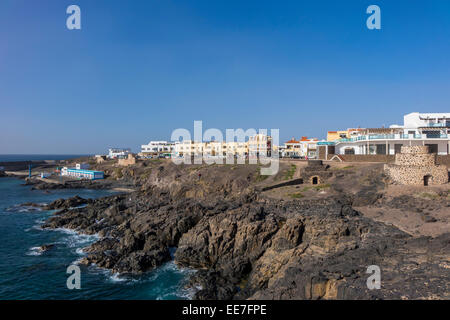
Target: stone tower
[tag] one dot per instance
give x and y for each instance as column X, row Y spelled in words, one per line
column 416, row 166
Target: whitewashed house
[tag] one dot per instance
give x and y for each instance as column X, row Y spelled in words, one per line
column 115, row 153
column 158, row 147
column 418, row 129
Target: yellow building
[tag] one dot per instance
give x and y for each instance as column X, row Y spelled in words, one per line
column 259, row 144
column 292, row 148
column 342, row 134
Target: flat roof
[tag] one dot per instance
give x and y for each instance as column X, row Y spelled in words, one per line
column 84, row 171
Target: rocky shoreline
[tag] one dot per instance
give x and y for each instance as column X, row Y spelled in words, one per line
column 247, row 245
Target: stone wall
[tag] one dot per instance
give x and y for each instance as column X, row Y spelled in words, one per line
column 323, row 151
column 444, row 160
column 419, row 159
column 384, row 158
column 284, row 184
column 409, row 175
column 315, row 169
column 415, row 166
column 128, row 161
column 414, row 149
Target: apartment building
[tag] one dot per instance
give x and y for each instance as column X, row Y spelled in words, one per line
column 82, row 173
column 342, row 134
column 292, row 148
column 418, row 129
column 259, row 144
column 114, row 153
column 308, row 147
column 157, row 147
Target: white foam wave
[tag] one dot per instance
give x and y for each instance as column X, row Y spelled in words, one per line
column 34, row 251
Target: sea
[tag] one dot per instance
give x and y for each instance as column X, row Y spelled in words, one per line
column 28, row 273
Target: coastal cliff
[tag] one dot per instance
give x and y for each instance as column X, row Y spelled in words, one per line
column 250, row 244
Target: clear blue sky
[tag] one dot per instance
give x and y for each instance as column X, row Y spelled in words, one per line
column 139, row 69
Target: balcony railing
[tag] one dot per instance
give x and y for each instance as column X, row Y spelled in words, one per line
column 438, row 125
column 394, row 137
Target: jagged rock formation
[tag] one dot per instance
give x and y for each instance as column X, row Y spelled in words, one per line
column 246, row 246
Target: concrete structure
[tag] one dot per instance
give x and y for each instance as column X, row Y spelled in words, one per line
column 187, row 148
column 292, row 148
column 425, row 123
column 325, row 148
column 158, row 148
column 419, row 129
column 308, row 147
column 82, row 174
column 258, row 144
column 416, row 166
column 115, row 153
column 315, row 172
column 342, row 134
column 130, row 160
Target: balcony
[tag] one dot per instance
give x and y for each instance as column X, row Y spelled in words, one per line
column 393, row 137
column 438, row 125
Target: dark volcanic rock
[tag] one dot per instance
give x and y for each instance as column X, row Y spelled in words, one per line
column 246, row 246
column 67, row 203
column 75, row 184
column 366, row 196
column 46, row 247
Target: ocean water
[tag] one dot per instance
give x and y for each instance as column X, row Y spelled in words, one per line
column 38, row 157
column 27, row 273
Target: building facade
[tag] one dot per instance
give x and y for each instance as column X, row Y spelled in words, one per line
column 259, row 144
column 419, row 129
column 82, row 174
column 157, row 147
column 292, row 148
column 309, row 147
column 115, row 153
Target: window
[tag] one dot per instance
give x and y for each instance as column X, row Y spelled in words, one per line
column 381, row 149
column 432, row 134
column 349, row 151
column 433, row 148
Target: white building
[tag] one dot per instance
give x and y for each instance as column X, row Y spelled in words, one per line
column 118, row 153
column 308, row 147
column 430, row 129
column 158, row 147
column 82, row 174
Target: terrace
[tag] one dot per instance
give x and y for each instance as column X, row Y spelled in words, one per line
column 394, row 137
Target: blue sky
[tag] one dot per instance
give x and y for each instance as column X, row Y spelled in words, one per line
column 139, row 69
